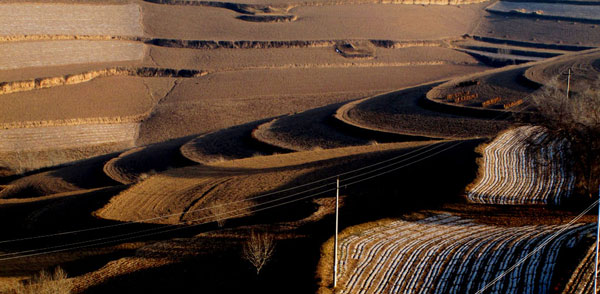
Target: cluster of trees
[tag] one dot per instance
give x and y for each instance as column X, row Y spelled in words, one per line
column 576, row 117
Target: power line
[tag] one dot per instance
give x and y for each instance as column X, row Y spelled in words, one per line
column 248, row 199
column 537, row 248
column 219, row 205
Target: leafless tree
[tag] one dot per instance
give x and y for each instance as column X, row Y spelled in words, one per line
column 576, row 118
column 259, row 249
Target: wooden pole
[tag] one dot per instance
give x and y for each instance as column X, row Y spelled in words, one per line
column 335, row 241
column 597, row 240
column 569, row 84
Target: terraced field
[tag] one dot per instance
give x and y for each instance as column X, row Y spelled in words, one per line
column 585, row 68
column 492, row 90
column 402, row 113
column 129, row 101
column 52, row 53
column 45, row 19
column 549, row 10
column 67, row 136
column 187, row 194
column 307, row 130
column 448, row 254
column 226, row 144
column 136, row 164
column 544, row 175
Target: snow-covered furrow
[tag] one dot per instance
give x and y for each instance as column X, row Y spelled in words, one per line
column 524, row 166
column 448, row 254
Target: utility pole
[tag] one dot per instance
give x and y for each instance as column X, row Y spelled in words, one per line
column 335, row 241
column 569, row 83
column 597, row 240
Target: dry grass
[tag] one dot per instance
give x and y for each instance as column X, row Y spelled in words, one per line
column 57, row 19
column 15, row 55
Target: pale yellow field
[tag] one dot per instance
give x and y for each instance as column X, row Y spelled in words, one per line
column 15, row 55
column 42, row 138
column 127, row 100
column 60, row 19
column 367, row 21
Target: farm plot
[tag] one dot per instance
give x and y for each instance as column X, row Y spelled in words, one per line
column 543, row 175
column 21, row 19
column 493, row 89
column 226, row 144
column 197, row 106
column 138, row 163
column 449, row 254
column 308, row 55
column 401, row 113
column 204, row 193
column 306, row 130
column 58, row 137
column 112, row 99
column 552, row 10
column 585, row 70
column 15, row 55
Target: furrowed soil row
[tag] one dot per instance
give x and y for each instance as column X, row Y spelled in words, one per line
column 61, row 19
column 57, row 137
column 451, row 255
column 582, row 280
column 523, row 166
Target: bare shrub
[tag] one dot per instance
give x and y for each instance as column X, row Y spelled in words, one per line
column 258, row 249
column 577, row 119
column 219, row 211
column 46, row 283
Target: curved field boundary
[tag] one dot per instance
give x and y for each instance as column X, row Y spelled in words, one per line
column 552, row 11
column 49, row 82
column 253, row 8
column 248, row 44
column 433, row 98
column 231, row 143
column 582, row 280
column 585, row 65
column 415, row 113
column 57, row 137
column 258, row 134
column 524, row 166
column 139, row 163
column 448, row 254
column 341, row 116
column 62, row 19
column 530, row 44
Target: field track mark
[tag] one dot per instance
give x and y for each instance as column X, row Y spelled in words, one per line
column 201, row 198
